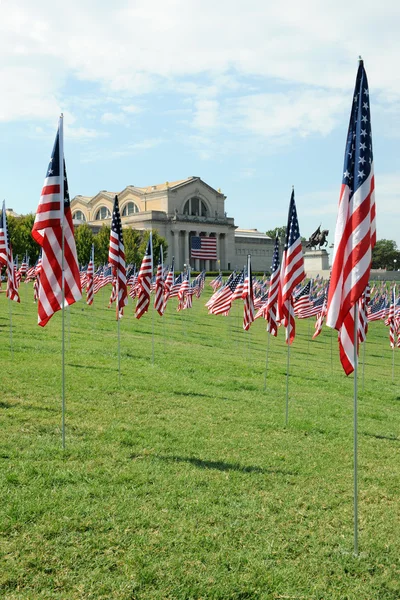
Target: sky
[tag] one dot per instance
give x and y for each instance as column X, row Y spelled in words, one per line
column 252, row 96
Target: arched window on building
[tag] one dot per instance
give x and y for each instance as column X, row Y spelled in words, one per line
column 102, row 214
column 79, row 216
column 130, row 209
column 195, row 207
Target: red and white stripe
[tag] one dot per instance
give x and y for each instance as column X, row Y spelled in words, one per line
column 89, row 283
column 144, row 281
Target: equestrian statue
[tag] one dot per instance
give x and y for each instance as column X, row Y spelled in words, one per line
column 318, row 238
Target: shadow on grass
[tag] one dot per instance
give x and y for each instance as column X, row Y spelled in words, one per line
column 378, row 436
column 92, row 367
column 220, row 465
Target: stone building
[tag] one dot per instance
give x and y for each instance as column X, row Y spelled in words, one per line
column 179, row 210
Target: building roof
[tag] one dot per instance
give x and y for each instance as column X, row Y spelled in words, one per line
column 251, row 233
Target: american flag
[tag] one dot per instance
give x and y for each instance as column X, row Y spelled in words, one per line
column 159, row 289
column 183, row 291
column 237, row 294
column 204, row 247
column 23, row 269
column 216, row 282
column 292, row 271
column 362, row 314
column 144, row 280
column 223, row 301
column 321, row 315
column 355, row 234
column 59, row 274
column 302, row 300
column 169, row 280
column 90, row 279
column 391, row 321
column 116, row 258
column 378, row 310
column 12, row 288
column 248, row 297
column 3, row 247
column 176, row 285
column 271, row 309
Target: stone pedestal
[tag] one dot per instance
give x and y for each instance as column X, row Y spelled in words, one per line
column 316, row 262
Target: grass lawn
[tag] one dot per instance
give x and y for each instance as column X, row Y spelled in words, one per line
column 181, row 482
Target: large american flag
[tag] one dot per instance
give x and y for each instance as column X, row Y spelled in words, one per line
column 292, row 271
column 116, row 258
column 204, row 247
column 53, row 221
column 355, row 233
column 6, row 250
column 159, row 289
column 90, row 279
column 144, row 280
column 271, row 309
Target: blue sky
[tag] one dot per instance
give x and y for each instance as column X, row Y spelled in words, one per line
column 251, row 96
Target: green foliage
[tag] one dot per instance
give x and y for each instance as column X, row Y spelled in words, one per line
column 84, row 239
column 157, row 242
column 277, row 231
column 181, row 480
column 384, row 255
column 101, row 245
column 132, row 241
column 19, row 229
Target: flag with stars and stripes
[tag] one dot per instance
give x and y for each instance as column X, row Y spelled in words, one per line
column 144, row 280
column 116, row 258
column 248, row 297
column 169, row 281
column 159, row 289
column 292, row 271
column 355, row 234
column 90, row 279
column 54, row 232
column 12, row 287
column 271, row 309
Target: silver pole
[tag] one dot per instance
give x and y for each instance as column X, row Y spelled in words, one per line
column 355, row 432
column 309, row 333
column 119, row 333
column 393, row 361
column 363, row 369
column 61, row 155
column 266, row 362
column 287, row 383
column 11, row 337
column 152, row 334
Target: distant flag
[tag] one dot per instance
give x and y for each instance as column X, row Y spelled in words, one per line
column 169, row 281
column 292, row 271
column 159, row 290
column 391, row 319
column 52, row 226
column 204, row 248
column 302, row 301
column 271, row 309
column 362, row 314
column 90, row 279
column 321, row 315
column 248, row 297
column 183, row 291
column 144, row 280
column 3, row 247
column 12, row 288
column 355, row 234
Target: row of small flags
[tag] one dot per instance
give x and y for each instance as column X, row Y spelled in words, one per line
column 60, row 280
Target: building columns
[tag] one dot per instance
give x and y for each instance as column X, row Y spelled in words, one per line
column 176, row 247
column 186, row 256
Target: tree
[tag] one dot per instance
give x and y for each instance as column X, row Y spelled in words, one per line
column 157, row 242
column 132, row 241
column 385, row 255
column 101, row 244
column 84, row 239
column 277, row 231
column 19, row 229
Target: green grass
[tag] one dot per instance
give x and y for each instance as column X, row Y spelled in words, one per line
column 182, row 482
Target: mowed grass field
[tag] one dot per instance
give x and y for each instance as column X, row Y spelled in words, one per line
column 181, row 481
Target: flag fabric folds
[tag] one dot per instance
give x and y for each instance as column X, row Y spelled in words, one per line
column 53, row 231
column 292, row 271
column 355, row 233
column 272, row 304
column 6, row 251
column 144, row 280
column 90, row 280
column 248, row 297
column 159, row 290
column 116, row 258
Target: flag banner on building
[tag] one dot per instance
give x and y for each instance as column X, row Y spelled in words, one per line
column 144, row 280
column 53, row 230
column 291, row 273
column 116, row 258
column 355, row 233
column 12, row 287
column 204, row 248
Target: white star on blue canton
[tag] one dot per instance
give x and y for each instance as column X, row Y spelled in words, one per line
column 364, row 119
column 363, row 146
column 363, row 132
column 361, row 160
column 360, row 174
column 346, row 174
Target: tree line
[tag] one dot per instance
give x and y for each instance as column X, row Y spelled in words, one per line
column 135, row 242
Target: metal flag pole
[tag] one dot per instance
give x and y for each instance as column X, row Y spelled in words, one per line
column 363, row 369
column 332, row 351
column 287, row 377
column 11, row 337
column 152, row 307
column 266, row 360
column 309, row 333
column 61, row 169
column 355, row 341
column 7, row 242
column 393, row 360
column 118, row 332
